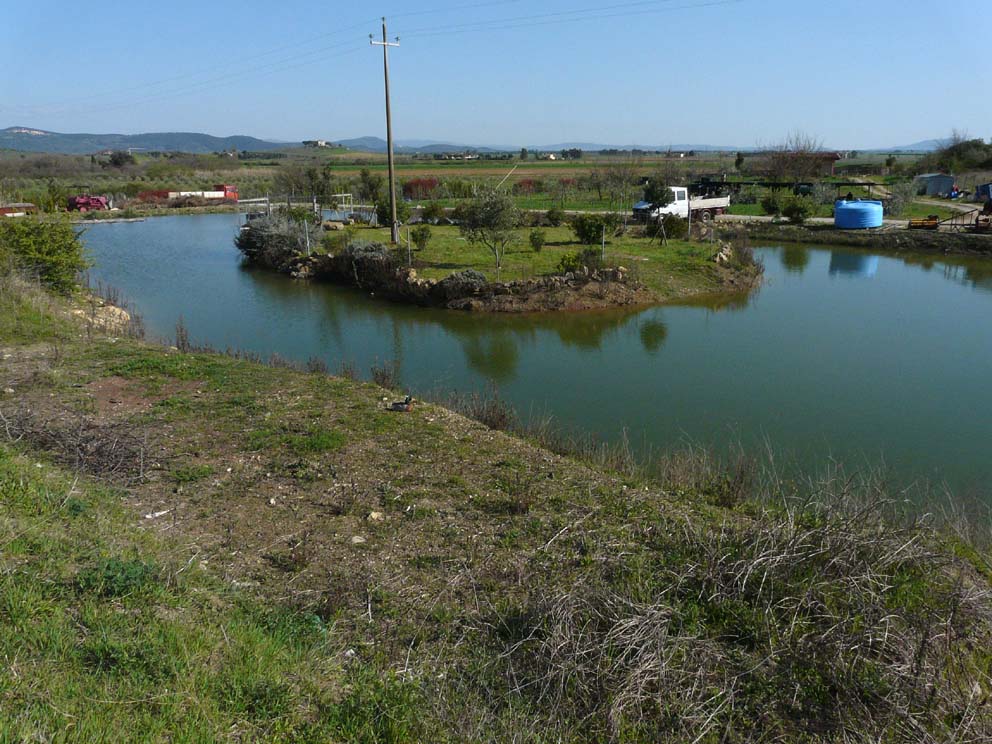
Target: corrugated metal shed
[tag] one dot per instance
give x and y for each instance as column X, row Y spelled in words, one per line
column 935, row 184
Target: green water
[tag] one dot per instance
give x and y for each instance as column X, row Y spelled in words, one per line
column 860, row 358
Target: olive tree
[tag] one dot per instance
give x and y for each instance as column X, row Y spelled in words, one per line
column 491, row 220
column 658, row 191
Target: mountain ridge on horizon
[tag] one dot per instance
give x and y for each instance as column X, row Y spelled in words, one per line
column 29, row 139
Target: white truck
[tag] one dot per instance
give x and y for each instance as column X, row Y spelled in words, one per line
column 702, row 209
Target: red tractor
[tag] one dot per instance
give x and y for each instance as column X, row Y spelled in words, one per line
column 87, row 203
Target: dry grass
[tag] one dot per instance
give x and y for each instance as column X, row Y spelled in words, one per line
column 794, row 624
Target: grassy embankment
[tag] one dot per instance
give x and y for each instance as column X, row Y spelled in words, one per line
column 678, row 269
column 197, row 547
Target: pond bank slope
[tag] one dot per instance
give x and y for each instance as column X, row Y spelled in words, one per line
column 201, row 547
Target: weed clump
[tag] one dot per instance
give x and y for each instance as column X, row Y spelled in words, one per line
column 486, row 408
column 116, row 577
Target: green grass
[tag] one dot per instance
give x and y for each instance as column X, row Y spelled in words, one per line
column 920, row 211
column 27, row 312
column 678, row 268
column 104, row 629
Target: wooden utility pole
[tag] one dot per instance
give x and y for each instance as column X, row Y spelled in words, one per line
column 394, row 231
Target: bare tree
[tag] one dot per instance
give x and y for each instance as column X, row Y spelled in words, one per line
column 798, row 158
column 619, row 180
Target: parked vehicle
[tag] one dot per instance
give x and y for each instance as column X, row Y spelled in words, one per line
column 87, row 203
column 702, row 208
column 221, row 192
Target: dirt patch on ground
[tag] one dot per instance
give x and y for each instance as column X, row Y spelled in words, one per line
column 115, row 396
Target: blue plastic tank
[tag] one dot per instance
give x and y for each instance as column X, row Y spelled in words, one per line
column 857, row 215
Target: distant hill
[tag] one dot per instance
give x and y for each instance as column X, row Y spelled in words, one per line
column 929, row 145
column 27, row 139
column 376, row 144
column 411, row 147
column 596, row 147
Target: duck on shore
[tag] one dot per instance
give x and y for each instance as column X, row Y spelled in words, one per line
column 404, row 406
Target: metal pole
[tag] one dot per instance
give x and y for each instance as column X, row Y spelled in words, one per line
column 688, row 200
column 394, row 232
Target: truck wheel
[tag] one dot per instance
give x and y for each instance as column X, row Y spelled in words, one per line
column 706, row 216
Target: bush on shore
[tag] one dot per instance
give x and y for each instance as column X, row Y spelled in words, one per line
column 49, row 249
column 273, row 241
column 590, row 229
column 799, row 209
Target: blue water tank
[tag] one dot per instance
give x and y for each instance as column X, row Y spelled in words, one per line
column 857, row 215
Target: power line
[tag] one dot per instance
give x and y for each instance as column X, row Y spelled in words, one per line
column 451, row 8
column 222, row 80
column 303, row 59
column 567, row 16
column 257, row 55
column 192, row 75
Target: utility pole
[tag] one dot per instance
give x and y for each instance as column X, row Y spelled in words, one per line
column 385, row 44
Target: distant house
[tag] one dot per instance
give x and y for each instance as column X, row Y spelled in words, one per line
column 316, row 143
column 934, row 184
column 17, row 209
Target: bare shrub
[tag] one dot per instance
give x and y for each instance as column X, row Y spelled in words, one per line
column 348, row 370
column 317, row 366
column 110, row 450
column 386, row 375
column 487, row 408
column 278, row 361
column 182, row 336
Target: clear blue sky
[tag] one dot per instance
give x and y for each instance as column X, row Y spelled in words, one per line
column 857, row 74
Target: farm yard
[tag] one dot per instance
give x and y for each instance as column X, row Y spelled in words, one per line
column 595, row 181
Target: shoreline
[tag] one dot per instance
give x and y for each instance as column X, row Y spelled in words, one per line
column 881, row 241
column 376, row 269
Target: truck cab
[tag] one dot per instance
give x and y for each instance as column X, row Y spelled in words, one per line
column 682, row 204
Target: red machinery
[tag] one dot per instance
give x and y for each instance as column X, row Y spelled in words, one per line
column 87, row 203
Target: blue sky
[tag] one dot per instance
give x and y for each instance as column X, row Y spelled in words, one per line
column 856, row 74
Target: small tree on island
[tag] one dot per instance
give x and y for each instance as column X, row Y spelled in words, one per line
column 421, row 236
column 658, row 191
column 490, row 220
